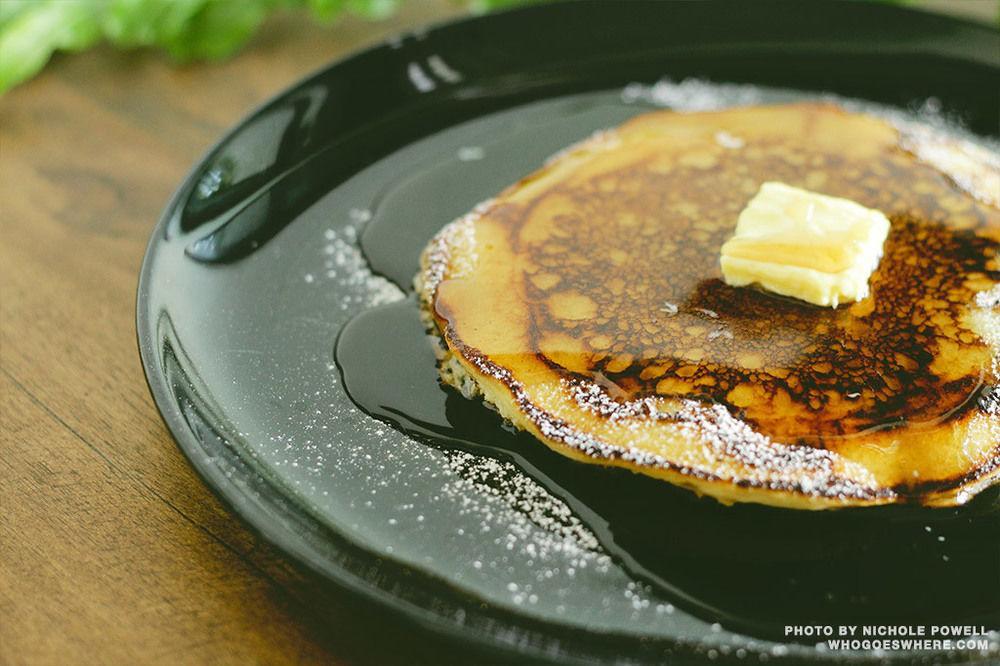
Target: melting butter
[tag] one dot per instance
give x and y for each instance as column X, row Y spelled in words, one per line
column 809, row 246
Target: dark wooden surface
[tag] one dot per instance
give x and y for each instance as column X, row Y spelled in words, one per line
column 111, row 549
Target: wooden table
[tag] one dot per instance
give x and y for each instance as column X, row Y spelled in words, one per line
column 111, row 549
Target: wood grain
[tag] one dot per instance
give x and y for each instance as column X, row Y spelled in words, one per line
column 111, row 549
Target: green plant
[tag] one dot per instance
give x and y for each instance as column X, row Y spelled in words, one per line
column 32, row 30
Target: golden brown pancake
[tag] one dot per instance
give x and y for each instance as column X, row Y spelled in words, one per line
column 585, row 303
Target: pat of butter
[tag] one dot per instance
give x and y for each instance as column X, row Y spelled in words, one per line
column 809, row 246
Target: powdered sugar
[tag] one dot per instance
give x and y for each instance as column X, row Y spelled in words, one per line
column 520, row 545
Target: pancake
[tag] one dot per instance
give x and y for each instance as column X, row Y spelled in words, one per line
column 585, row 304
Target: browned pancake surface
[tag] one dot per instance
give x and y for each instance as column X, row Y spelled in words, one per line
column 602, row 272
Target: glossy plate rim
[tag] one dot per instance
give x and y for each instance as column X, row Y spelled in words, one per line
column 250, row 497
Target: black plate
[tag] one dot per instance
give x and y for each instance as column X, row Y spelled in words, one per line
column 255, row 267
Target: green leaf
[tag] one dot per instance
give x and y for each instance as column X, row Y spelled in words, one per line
column 372, row 9
column 325, row 10
column 132, row 23
column 30, row 34
column 218, row 29
column 32, row 30
column 9, row 9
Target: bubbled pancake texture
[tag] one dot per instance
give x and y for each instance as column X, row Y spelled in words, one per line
column 617, row 277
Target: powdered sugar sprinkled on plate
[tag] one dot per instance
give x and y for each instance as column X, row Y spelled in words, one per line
column 548, row 554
